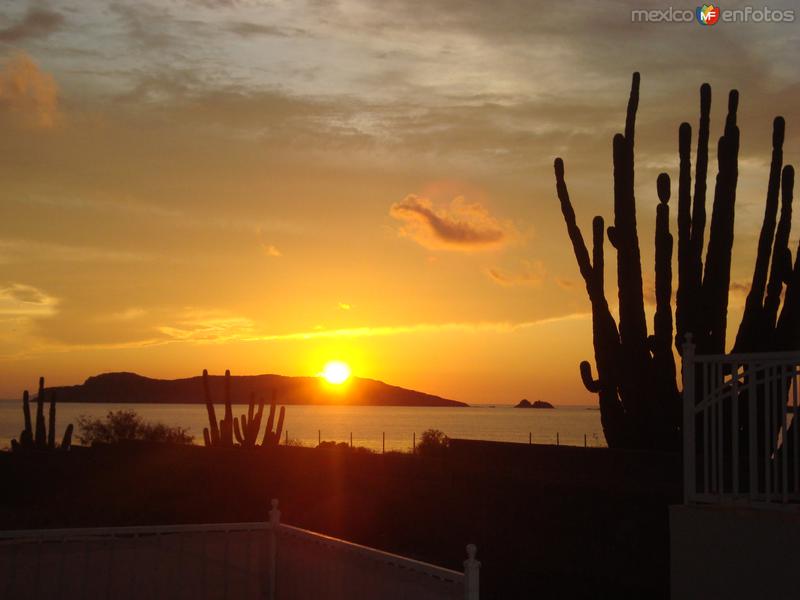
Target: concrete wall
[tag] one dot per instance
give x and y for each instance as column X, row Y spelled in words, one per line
column 734, row 552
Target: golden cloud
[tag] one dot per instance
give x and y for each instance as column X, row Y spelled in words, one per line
column 271, row 250
column 20, row 300
column 461, row 225
column 28, row 91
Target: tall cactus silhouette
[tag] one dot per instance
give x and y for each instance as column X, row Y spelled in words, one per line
column 640, row 403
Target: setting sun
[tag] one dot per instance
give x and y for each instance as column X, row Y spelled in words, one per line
column 336, row 372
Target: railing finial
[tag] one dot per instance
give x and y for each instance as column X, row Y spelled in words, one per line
column 472, row 574
column 472, row 550
column 274, row 514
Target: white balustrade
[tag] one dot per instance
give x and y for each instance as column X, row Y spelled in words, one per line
column 271, row 560
column 741, row 435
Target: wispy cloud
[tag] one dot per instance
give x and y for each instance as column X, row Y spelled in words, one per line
column 249, row 29
column 21, row 300
column 531, row 273
column 129, row 314
column 30, row 250
column 388, row 330
column 37, row 22
column 208, row 326
column 461, row 225
column 565, row 284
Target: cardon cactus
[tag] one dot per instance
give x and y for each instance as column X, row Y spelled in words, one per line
column 273, row 437
column 245, row 429
column 640, row 403
column 44, row 435
column 247, row 434
column 221, row 434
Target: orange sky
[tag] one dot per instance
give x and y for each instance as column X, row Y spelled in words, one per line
column 268, row 186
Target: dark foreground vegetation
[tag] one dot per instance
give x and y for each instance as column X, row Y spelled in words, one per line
column 551, row 522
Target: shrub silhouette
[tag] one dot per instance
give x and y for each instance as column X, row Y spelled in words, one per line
column 127, row 425
column 433, row 443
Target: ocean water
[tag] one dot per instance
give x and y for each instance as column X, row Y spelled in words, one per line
column 304, row 424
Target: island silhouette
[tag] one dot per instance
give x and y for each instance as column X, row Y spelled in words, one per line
column 133, row 388
column 525, row 403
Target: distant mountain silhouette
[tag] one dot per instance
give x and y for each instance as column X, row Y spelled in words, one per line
column 133, row 388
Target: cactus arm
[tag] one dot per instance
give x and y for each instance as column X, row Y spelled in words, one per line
column 662, row 325
column 750, row 336
column 26, row 412
column 633, row 379
column 279, row 428
column 780, row 252
column 226, row 426
column 51, row 428
column 270, row 438
column 632, row 323
column 270, row 421
column 213, row 431
column 237, row 432
column 787, row 332
column 256, row 424
column 716, row 279
column 667, row 411
column 691, row 227
column 591, row 384
column 66, row 441
column 598, row 261
column 612, row 415
column 700, row 177
column 630, row 113
column 683, row 308
column 251, row 407
column 41, row 430
column 574, row 232
column 26, row 435
column 606, row 336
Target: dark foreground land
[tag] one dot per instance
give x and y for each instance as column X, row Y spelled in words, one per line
column 549, row 522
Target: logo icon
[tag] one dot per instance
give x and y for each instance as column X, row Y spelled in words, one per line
column 708, row 14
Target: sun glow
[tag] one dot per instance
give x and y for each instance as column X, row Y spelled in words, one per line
column 336, row 372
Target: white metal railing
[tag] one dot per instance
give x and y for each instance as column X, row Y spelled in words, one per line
column 271, row 560
column 741, row 436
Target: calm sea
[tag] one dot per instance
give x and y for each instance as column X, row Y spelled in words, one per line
column 366, row 423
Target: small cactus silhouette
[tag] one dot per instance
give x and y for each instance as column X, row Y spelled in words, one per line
column 246, row 429
column 44, row 437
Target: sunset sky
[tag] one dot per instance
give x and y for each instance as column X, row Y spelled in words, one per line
column 267, row 186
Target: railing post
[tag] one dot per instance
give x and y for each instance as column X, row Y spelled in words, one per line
column 472, row 569
column 689, row 454
column 272, row 567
